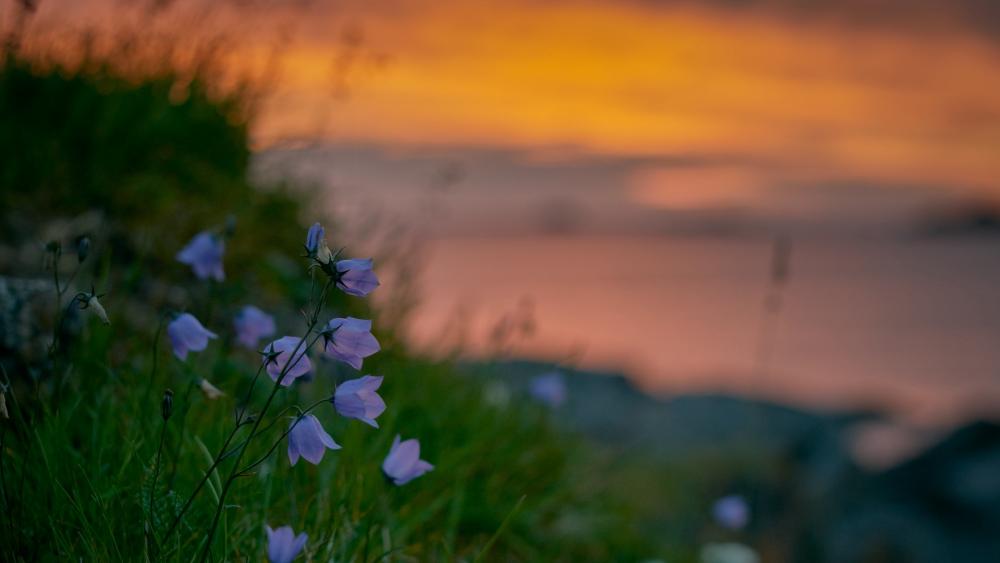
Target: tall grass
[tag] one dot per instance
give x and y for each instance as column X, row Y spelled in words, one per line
column 80, row 449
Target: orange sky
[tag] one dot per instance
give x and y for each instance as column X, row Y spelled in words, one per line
column 761, row 98
column 784, row 102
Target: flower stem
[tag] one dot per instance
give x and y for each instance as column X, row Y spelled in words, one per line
column 313, row 320
column 152, row 489
column 282, row 438
column 215, row 463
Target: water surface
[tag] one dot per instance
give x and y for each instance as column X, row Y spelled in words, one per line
column 909, row 326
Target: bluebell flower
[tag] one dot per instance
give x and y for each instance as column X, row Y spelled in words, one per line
column 308, row 439
column 549, row 389
column 356, row 277
column 731, row 512
column 314, row 236
column 279, row 353
column 317, row 248
column 283, row 545
column 349, row 340
column 358, row 398
column 251, row 325
column 204, row 255
column 403, row 464
column 188, row 335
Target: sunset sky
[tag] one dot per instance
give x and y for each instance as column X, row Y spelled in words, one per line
column 857, row 110
column 622, row 121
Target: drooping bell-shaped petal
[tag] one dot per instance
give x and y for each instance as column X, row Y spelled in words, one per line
column 204, row 255
column 251, row 325
column 403, row 464
column 731, row 512
column 356, row 277
column 358, row 398
column 281, row 350
column 549, row 389
column 349, row 340
column 188, row 335
column 308, row 440
column 283, row 545
column 314, row 236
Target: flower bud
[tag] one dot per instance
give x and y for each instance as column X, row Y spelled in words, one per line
column 167, row 406
column 323, row 254
column 82, row 248
column 94, row 305
column 3, row 405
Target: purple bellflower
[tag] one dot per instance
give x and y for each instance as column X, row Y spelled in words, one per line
column 278, row 355
column 315, row 235
column 308, row 439
column 358, row 399
column 549, row 389
column 731, row 512
column 251, row 325
column 204, row 255
column 349, row 340
column 403, row 464
column 356, row 277
column 188, row 335
column 283, row 545
column 316, row 247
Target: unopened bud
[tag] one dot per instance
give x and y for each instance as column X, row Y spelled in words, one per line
column 167, row 406
column 3, row 405
column 323, row 254
column 82, row 248
column 94, row 305
column 211, row 391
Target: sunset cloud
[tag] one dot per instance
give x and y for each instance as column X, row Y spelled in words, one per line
column 777, row 93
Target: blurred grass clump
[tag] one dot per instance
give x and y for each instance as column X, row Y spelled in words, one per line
column 139, row 163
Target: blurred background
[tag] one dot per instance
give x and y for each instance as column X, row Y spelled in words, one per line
column 757, row 240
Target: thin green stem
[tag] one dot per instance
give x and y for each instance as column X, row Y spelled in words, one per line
column 223, row 454
column 282, row 438
column 151, row 383
column 152, row 489
column 292, row 360
column 186, row 401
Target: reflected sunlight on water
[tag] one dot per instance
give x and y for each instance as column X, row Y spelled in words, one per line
column 909, row 326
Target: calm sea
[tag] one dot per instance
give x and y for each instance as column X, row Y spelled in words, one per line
column 908, row 326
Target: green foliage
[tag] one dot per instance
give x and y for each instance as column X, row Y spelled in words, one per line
column 160, row 160
column 89, row 463
column 75, row 141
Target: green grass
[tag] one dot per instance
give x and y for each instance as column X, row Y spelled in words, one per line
column 77, row 478
column 79, row 450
